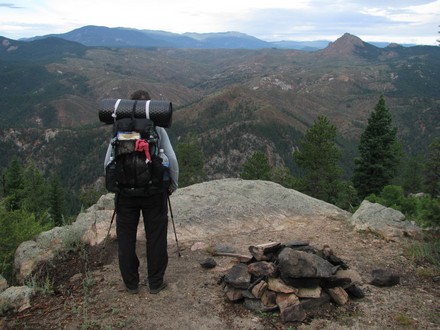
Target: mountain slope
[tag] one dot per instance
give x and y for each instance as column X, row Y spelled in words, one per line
column 236, row 100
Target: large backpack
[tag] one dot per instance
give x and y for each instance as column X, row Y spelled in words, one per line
column 136, row 168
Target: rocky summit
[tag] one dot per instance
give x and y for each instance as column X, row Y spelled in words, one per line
column 292, row 260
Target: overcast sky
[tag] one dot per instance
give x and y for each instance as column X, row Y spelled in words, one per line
column 400, row 21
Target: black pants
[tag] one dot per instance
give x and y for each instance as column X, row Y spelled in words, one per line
column 155, row 213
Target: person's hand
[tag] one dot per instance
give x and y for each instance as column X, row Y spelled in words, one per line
column 170, row 191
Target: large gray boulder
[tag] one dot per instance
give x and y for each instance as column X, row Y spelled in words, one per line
column 17, row 298
column 384, row 221
column 238, row 206
column 201, row 210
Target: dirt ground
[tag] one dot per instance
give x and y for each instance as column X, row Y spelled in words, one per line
column 88, row 292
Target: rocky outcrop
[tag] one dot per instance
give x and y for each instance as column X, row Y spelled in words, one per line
column 384, row 221
column 220, row 206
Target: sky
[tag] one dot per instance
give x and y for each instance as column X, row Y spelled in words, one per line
column 396, row 21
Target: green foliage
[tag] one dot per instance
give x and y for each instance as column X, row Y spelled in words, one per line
column 90, row 195
column 190, row 157
column 12, row 182
column 282, row 176
column 411, row 175
column 30, row 205
column 16, row 227
column 257, row 167
column 56, row 201
column 35, row 191
column 424, row 210
column 429, row 211
column 318, row 156
column 433, row 169
column 426, row 251
column 379, row 153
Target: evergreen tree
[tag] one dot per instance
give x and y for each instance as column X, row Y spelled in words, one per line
column 432, row 179
column 35, row 191
column 379, row 153
column 282, row 175
column 318, row 157
column 411, row 176
column 56, row 199
column 13, row 184
column 256, row 167
column 190, row 157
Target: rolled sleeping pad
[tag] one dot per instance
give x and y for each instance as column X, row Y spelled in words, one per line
column 159, row 111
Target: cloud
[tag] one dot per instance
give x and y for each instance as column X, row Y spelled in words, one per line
column 10, row 5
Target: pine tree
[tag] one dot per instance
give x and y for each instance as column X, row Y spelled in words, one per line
column 379, row 153
column 432, row 178
column 13, row 184
column 411, row 176
column 35, row 191
column 56, row 199
column 190, row 156
column 318, row 156
column 256, row 167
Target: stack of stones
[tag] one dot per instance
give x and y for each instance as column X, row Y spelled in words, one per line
column 292, row 278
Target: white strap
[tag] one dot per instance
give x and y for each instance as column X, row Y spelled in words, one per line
column 147, row 109
column 116, row 108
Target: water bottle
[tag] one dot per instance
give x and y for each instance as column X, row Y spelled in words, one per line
column 165, row 161
column 166, row 164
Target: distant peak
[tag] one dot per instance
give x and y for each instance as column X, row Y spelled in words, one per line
column 349, row 39
column 346, row 45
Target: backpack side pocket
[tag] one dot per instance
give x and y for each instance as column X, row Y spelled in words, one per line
column 111, row 183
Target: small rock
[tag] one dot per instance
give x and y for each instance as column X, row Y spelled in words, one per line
column 284, row 300
column 298, row 264
column 301, row 282
column 269, row 299
column 234, row 294
column 263, row 252
column 208, row 263
column 259, row 289
column 338, row 295
column 355, row 291
column 309, row 292
column 315, row 303
column 238, row 277
column 334, row 281
column 293, row 314
column 293, row 244
column 17, row 298
column 257, row 306
column 277, row 285
column 384, row 277
column 199, row 246
column 352, row 274
column 262, row 268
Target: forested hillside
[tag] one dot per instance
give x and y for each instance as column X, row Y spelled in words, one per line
column 233, row 102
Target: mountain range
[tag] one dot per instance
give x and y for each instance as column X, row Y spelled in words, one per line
column 127, row 37
column 235, row 101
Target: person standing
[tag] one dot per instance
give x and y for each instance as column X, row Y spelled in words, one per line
column 154, row 209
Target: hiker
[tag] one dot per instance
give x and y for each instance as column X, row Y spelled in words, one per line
column 154, row 208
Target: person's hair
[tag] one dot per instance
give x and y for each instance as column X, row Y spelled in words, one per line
column 140, row 95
